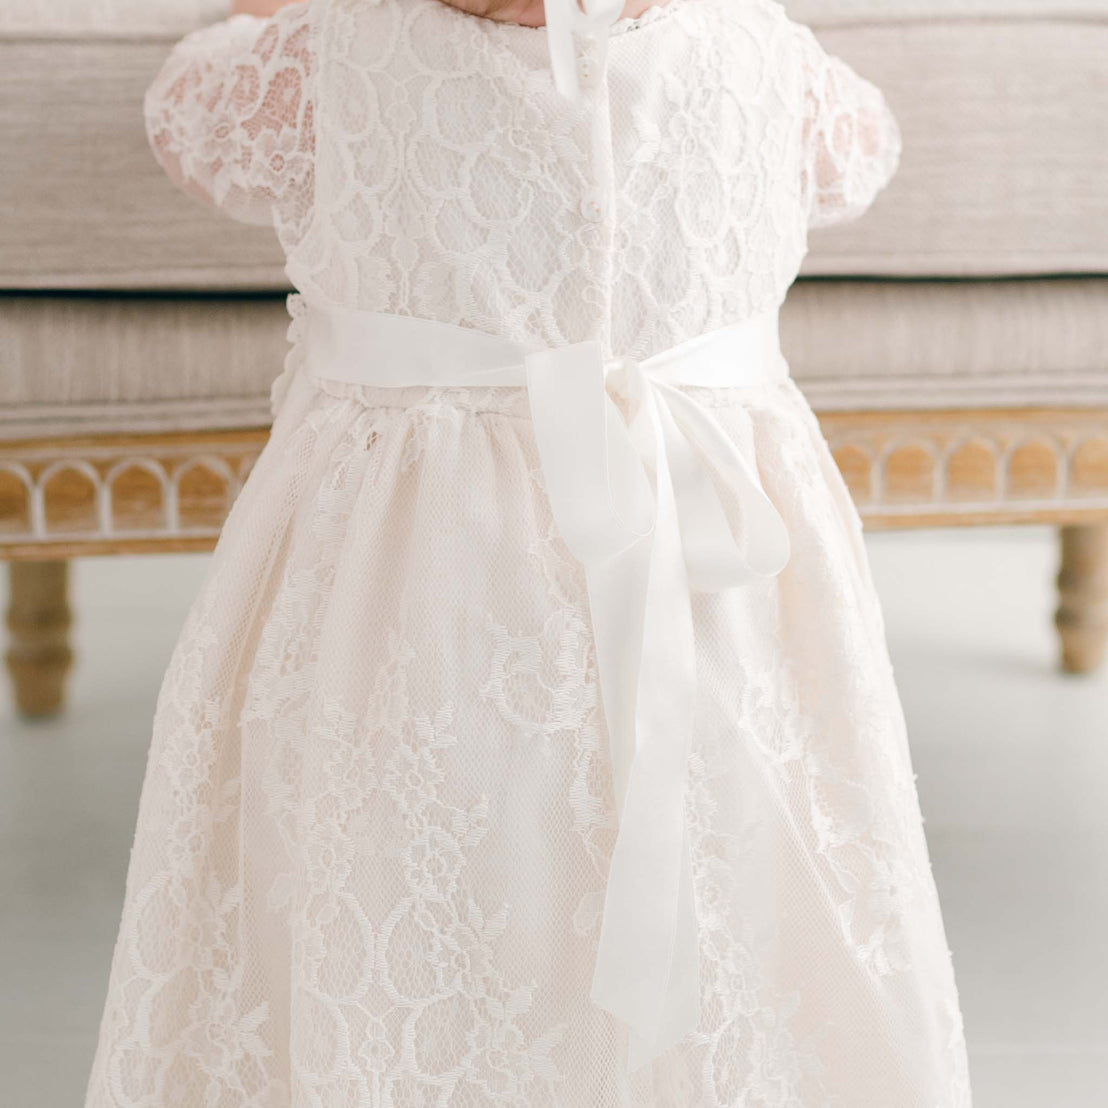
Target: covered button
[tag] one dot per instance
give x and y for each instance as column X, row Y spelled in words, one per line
column 592, row 206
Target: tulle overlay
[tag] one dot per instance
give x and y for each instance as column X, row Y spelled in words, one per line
column 374, row 832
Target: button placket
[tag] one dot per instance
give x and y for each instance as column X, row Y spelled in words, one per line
column 586, row 71
column 591, row 58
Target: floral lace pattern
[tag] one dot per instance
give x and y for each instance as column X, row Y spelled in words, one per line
column 373, row 842
column 374, row 836
column 452, row 176
column 230, row 116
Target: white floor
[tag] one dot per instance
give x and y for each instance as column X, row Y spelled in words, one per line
column 1012, row 760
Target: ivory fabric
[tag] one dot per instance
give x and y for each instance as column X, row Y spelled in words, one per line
column 382, row 806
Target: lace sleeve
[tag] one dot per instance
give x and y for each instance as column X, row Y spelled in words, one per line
column 851, row 139
column 229, row 116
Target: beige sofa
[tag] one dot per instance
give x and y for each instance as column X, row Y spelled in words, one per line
column 954, row 342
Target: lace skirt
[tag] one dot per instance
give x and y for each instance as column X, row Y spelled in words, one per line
column 371, row 848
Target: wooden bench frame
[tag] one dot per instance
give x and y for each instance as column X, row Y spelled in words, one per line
column 146, row 493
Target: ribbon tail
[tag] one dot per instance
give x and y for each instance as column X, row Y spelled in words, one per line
column 603, row 505
column 647, row 968
column 598, row 490
column 617, row 592
column 696, row 441
column 682, row 1004
column 627, row 535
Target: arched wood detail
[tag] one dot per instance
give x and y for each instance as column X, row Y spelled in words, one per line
column 904, row 469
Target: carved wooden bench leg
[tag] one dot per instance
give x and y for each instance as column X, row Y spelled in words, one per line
column 1082, row 616
column 38, row 618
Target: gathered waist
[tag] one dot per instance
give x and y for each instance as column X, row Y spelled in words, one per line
column 507, row 401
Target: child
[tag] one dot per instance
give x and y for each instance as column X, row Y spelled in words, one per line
column 533, row 739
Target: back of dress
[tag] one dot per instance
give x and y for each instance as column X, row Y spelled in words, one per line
column 470, row 783
column 420, row 161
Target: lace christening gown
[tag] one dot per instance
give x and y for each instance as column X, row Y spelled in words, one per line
column 379, row 810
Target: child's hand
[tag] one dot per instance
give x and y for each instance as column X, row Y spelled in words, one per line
column 264, row 8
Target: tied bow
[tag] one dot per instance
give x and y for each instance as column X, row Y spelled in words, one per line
column 637, row 502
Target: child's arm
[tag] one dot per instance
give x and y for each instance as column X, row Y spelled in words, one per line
column 852, row 140
column 229, row 117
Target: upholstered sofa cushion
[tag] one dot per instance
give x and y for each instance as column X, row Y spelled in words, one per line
column 829, row 13
column 84, row 205
column 106, row 18
column 73, row 365
column 85, row 364
column 878, row 344
column 1004, row 107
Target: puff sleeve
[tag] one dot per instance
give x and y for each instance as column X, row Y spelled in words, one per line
column 229, row 115
column 852, row 140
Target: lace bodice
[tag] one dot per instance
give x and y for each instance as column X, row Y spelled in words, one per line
column 418, row 160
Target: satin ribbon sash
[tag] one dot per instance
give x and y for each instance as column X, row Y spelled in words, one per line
column 637, row 501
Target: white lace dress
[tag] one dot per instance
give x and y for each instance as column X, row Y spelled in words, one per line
column 378, row 812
